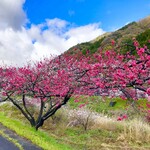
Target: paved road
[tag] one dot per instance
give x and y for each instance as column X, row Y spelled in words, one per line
column 6, row 145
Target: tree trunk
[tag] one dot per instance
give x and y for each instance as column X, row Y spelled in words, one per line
column 39, row 124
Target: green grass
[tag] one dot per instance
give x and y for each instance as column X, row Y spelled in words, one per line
column 39, row 138
column 97, row 104
column 92, row 139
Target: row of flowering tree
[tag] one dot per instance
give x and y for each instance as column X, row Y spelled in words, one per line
column 126, row 73
column 116, row 71
column 51, row 83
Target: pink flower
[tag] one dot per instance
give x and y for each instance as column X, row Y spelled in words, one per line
column 133, row 63
column 123, row 97
column 148, row 91
column 76, row 100
column 131, row 76
column 4, row 93
column 141, row 51
column 119, row 118
column 145, row 47
column 136, row 44
column 81, row 105
column 113, row 42
column 124, row 116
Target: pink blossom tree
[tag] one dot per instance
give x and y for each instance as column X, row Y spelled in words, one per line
column 48, row 85
column 123, row 72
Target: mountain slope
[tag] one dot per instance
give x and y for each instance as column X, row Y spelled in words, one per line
column 139, row 30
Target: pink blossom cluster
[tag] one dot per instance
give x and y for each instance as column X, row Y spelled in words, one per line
column 122, row 117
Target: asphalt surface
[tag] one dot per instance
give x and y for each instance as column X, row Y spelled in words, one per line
column 6, row 145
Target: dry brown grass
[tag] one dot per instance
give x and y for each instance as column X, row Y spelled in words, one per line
column 104, row 122
column 135, row 130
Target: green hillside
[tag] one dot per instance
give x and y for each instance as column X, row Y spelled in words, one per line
column 139, row 30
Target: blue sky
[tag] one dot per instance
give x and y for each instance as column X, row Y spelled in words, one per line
column 33, row 29
column 112, row 14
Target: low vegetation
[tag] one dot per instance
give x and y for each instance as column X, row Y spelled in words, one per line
column 14, row 121
column 67, row 129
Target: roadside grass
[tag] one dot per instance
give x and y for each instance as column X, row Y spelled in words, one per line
column 22, row 128
column 105, row 133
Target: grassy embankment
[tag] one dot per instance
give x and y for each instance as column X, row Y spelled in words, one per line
column 13, row 120
column 102, row 133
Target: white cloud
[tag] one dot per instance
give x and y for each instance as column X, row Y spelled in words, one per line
column 15, row 47
column 83, row 34
column 12, row 14
column 19, row 44
column 57, row 37
column 56, row 23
